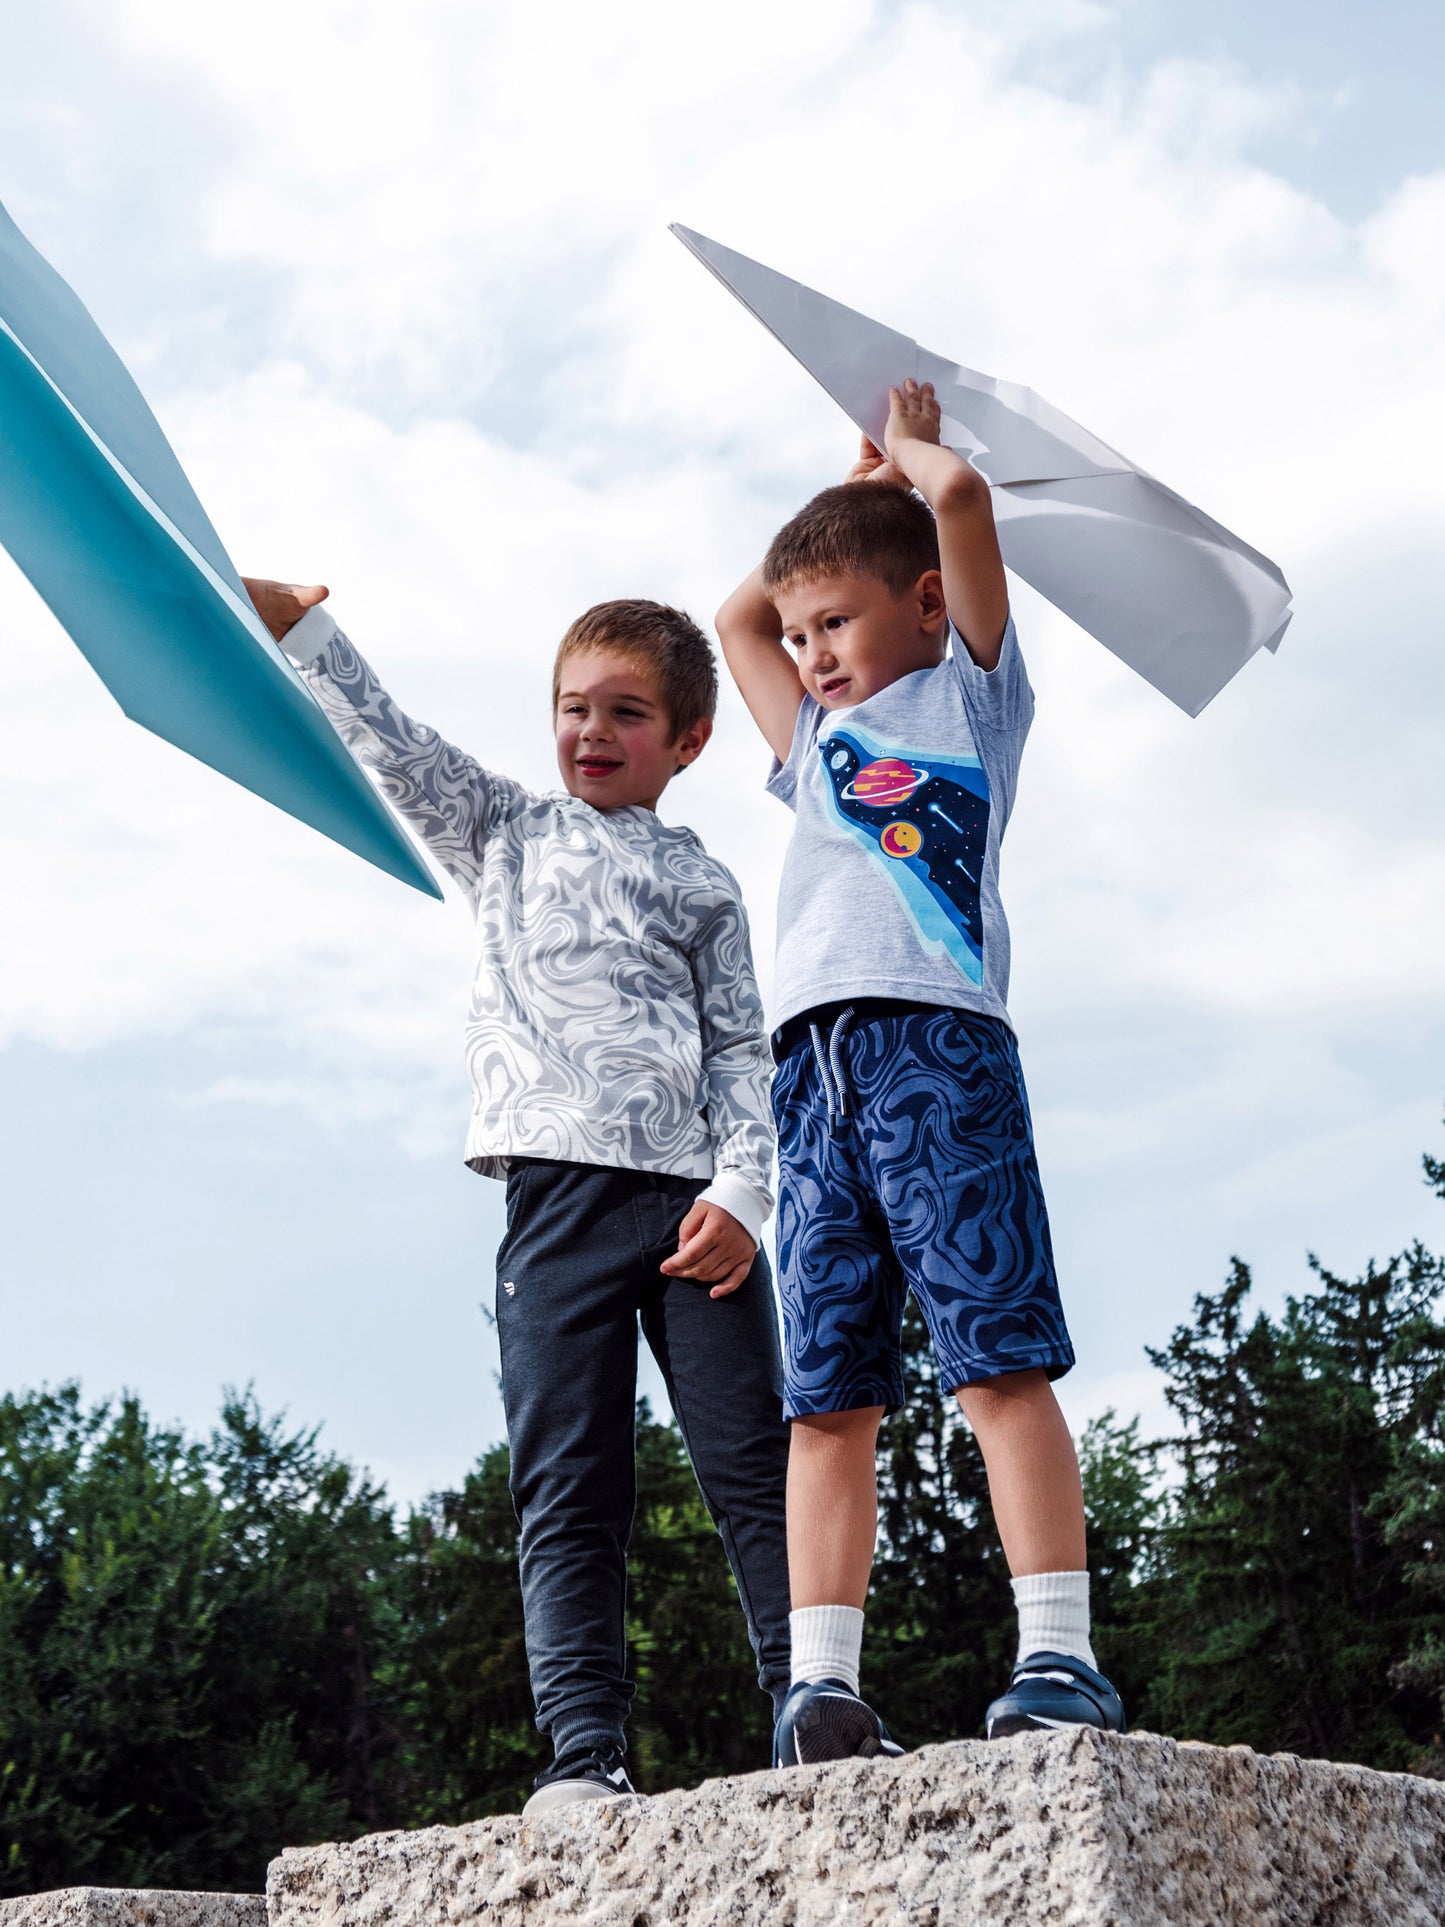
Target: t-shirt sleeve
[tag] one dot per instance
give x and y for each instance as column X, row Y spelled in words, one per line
column 997, row 698
column 783, row 779
column 450, row 800
column 1000, row 699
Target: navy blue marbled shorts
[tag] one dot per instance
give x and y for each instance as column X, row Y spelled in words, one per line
column 907, row 1162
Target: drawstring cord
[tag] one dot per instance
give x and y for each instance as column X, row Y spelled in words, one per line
column 829, row 1059
column 822, row 1056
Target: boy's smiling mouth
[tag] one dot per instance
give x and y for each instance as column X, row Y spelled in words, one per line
column 597, row 765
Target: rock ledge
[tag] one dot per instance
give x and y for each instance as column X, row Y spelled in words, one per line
column 132, row 1907
column 1074, row 1829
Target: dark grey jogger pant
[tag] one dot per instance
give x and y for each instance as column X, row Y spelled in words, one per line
column 577, row 1268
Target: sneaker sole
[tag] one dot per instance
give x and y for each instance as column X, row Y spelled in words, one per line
column 835, row 1728
column 570, row 1793
column 1011, row 1723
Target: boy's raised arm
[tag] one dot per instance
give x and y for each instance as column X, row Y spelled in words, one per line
column 757, row 657
column 975, row 588
column 448, row 797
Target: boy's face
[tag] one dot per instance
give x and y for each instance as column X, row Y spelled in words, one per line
column 615, row 742
column 854, row 636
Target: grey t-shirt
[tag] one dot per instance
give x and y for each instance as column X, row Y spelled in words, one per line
column 890, row 882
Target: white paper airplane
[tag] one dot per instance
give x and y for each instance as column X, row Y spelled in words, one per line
column 1169, row 590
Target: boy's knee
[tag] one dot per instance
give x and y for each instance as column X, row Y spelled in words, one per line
column 1006, row 1397
column 830, row 1431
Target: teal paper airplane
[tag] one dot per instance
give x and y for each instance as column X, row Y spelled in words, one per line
column 98, row 513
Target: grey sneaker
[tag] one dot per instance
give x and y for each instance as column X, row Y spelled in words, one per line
column 598, row 1775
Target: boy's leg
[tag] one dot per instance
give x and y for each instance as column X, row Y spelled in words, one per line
column 719, row 1358
column 1033, row 1472
column 951, row 1142
column 842, row 1296
column 833, row 1507
column 566, row 1318
column 1038, row 1503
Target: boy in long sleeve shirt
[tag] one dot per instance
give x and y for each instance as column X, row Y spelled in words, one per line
column 620, row 1087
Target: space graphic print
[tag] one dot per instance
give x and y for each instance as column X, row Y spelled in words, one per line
column 923, row 817
column 890, row 884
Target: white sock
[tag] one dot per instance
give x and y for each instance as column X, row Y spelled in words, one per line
column 827, row 1643
column 1053, row 1615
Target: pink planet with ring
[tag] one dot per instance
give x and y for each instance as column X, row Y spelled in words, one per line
column 888, row 781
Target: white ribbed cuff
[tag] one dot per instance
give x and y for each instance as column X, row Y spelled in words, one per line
column 827, row 1643
column 1054, row 1615
column 305, row 640
column 737, row 1197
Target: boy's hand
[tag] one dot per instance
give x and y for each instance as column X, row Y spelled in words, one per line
column 713, row 1248
column 975, row 588
column 913, row 415
column 281, row 605
column 873, row 465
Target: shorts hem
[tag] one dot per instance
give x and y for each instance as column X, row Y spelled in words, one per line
column 821, row 1404
column 958, row 1378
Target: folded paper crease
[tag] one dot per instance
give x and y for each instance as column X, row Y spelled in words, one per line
column 1165, row 587
column 98, row 514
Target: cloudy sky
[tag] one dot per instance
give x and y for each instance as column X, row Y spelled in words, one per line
column 398, row 284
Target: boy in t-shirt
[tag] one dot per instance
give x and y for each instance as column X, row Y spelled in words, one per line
column 620, row 1086
column 905, row 1148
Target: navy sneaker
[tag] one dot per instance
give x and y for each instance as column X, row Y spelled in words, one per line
column 822, row 1719
column 597, row 1775
column 1050, row 1690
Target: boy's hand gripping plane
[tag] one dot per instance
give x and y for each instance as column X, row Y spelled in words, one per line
column 1158, row 582
column 96, row 510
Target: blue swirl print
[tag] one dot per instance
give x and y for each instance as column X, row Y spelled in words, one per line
column 920, row 1174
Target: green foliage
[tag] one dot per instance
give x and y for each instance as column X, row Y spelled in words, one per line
column 1124, row 1509
column 940, row 1612
column 699, row 1709
column 469, row 1701
column 210, row 1649
column 1291, row 1606
column 190, row 1639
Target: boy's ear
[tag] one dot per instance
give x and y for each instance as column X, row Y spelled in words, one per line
column 928, row 598
column 693, row 741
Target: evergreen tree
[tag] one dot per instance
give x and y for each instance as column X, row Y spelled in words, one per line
column 1123, row 1508
column 209, row 1649
column 940, row 1630
column 1284, row 1610
column 698, row 1709
column 1411, row 1513
column 470, row 1701
column 189, row 1636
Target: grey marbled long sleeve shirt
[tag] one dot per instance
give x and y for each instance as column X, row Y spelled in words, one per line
column 615, row 1017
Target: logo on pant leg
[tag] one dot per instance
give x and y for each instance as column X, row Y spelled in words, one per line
column 510, row 1289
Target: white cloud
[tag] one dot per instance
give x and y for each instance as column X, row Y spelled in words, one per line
column 433, row 344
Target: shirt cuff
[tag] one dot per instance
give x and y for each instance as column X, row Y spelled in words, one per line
column 740, row 1200
column 309, row 638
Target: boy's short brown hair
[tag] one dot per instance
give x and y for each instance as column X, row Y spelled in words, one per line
column 665, row 640
column 857, row 528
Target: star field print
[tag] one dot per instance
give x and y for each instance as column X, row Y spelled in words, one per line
column 926, row 820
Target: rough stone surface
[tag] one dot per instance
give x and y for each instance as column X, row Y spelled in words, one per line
column 132, row 1907
column 1071, row 1829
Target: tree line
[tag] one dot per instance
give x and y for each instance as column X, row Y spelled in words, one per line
column 211, row 1648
